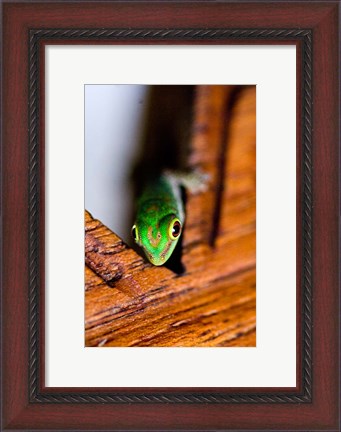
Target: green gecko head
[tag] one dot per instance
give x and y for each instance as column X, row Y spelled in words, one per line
column 157, row 238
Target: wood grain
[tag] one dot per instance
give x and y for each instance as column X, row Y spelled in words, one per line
column 130, row 302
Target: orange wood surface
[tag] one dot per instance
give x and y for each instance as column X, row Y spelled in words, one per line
column 130, row 302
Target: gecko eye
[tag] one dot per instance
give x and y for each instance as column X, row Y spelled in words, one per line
column 134, row 233
column 175, row 229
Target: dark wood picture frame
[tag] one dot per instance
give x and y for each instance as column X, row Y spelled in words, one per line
column 27, row 404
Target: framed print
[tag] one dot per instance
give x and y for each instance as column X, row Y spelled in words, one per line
column 187, row 154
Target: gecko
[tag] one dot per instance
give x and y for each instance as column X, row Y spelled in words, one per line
column 160, row 213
